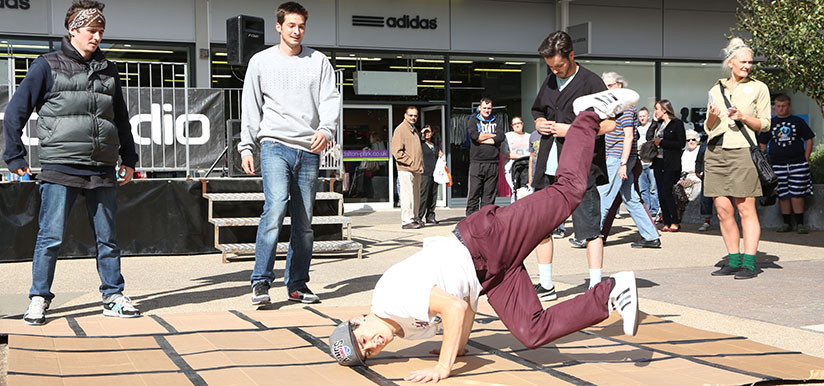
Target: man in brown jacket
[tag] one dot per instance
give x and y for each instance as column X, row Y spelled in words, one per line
column 406, row 148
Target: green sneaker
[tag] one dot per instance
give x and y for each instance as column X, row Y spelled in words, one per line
column 803, row 229
column 785, row 228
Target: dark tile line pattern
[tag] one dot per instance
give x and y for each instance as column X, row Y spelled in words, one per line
column 368, row 373
column 75, row 326
column 530, row 364
column 164, row 324
column 181, row 363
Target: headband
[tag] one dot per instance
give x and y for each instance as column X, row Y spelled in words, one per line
column 89, row 17
column 736, row 48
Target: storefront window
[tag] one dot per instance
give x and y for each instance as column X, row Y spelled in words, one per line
column 686, row 86
column 226, row 76
column 23, row 53
column 511, row 83
column 640, row 76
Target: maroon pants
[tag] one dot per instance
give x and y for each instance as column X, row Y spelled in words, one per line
column 500, row 238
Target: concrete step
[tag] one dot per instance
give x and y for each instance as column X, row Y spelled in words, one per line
column 260, row 197
column 327, row 248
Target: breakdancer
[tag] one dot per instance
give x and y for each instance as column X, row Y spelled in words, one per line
column 438, row 287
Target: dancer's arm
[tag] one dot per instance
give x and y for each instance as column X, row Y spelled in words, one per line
column 454, row 314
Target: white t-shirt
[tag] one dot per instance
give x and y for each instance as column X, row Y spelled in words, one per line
column 402, row 293
column 688, row 159
column 518, row 143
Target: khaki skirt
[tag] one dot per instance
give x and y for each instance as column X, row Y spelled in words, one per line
column 730, row 172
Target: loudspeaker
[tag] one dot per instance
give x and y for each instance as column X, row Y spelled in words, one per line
column 244, row 37
column 233, row 156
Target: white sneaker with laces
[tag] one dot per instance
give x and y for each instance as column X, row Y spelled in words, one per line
column 36, row 313
column 624, row 298
column 704, row 227
column 121, row 306
column 607, row 104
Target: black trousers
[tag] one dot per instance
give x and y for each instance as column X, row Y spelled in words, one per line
column 429, row 195
column 665, row 180
column 483, row 186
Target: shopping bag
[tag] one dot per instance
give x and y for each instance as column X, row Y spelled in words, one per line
column 441, row 174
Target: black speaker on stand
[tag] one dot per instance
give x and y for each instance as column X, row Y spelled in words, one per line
column 244, row 38
column 233, row 156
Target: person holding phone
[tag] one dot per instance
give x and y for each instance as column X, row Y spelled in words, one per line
column 730, row 176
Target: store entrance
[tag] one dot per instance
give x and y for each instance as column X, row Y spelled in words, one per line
column 370, row 173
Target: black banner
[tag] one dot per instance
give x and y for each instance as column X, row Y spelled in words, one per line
column 159, row 122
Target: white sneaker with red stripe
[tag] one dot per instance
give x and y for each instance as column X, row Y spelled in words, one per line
column 624, row 298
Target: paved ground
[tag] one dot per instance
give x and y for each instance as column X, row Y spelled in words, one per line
column 783, row 307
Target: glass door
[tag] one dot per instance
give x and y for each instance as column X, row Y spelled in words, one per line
column 367, row 137
column 435, row 116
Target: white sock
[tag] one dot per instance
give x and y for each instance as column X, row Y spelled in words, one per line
column 594, row 276
column 545, row 275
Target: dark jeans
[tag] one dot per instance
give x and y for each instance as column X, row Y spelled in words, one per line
column 429, row 195
column 666, row 179
column 500, row 238
column 483, row 186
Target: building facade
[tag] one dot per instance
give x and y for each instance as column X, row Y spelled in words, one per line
column 439, row 55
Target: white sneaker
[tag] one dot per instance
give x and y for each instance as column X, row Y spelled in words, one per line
column 36, row 313
column 624, row 299
column 704, row 227
column 121, row 306
column 607, row 104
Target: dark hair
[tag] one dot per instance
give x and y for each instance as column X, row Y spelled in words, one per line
column 667, row 106
column 517, row 116
column 557, row 43
column 486, row 100
column 291, row 7
column 81, row 4
column 643, row 109
column 783, row 98
column 410, row 108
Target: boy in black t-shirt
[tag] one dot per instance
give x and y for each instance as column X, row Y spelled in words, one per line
column 789, row 143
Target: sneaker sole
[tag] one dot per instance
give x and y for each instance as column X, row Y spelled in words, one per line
column 546, row 298
column 119, row 315
column 35, row 322
column 304, row 301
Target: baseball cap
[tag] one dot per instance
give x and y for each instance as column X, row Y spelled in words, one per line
column 342, row 346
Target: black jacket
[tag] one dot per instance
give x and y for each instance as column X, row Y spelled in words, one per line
column 430, row 157
column 554, row 105
column 482, row 152
column 672, row 142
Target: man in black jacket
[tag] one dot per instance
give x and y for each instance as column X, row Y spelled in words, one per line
column 83, row 128
column 553, row 114
column 486, row 135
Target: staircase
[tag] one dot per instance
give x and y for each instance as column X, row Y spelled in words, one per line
column 232, row 213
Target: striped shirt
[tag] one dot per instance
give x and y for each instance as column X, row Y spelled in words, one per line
column 615, row 139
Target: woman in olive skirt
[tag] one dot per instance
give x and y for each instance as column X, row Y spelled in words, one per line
column 730, row 177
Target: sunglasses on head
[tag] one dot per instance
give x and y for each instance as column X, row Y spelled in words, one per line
column 692, row 140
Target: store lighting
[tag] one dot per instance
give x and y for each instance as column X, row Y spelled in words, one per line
column 398, row 56
column 415, row 68
column 358, row 58
column 627, row 62
column 180, row 75
column 221, row 76
column 440, row 81
column 174, row 80
column 219, row 62
column 460, row 61
column 428, row 60
column 16, row 55
column 345, row 65
column 497, row 69
column 703, row 64
column 21, row 70
column 221, row 54
column 666, row 63
column 515, row 63
column 27, row 46
column 430, row 86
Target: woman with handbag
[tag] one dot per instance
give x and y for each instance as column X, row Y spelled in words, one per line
column 738, row 109
column 429, row 188
column 670, row 139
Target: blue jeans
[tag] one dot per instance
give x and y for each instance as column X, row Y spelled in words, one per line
column 55, row 204
column 625, row 187
column 649, row 193
column 289, row 176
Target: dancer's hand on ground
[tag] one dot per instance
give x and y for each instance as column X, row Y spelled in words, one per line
column 433, row 374
column 461, row 352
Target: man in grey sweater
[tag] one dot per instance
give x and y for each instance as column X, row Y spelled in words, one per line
column 291, row 108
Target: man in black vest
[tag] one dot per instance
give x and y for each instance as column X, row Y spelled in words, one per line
column 83, row 128
column 553, row 114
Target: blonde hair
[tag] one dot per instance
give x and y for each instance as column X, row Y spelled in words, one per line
column 733, row 47
column 618, row 78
